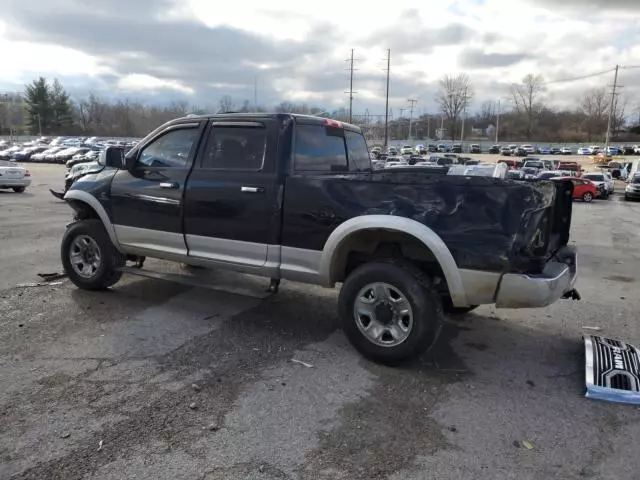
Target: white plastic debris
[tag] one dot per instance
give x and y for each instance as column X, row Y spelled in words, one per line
column 305, row 364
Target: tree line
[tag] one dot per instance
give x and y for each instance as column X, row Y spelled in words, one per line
column 46, row 108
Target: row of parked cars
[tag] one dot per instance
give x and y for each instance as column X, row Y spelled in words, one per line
column 58, row 150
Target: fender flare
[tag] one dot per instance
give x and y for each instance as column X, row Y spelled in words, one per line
column 424, row 234
column 85, row 197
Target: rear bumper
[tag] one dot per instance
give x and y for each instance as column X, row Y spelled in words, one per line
column 633, row 195
column 534, row 291
column 14, row 182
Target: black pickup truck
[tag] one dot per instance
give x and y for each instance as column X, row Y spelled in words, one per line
column 294, row 197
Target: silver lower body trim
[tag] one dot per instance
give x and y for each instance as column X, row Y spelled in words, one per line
column 150, row 240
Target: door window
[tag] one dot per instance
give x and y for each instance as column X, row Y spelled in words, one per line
column 171, row 150
column 318, row 149
column 235, row 148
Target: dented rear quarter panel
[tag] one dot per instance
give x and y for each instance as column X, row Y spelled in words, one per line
column 483, row 221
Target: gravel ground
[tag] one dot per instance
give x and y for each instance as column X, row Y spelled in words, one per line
column 154, row 380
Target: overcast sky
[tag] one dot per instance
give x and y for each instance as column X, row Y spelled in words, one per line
column 199, row 50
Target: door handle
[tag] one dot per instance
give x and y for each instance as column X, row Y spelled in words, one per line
column 172, row 185
column 252, row 189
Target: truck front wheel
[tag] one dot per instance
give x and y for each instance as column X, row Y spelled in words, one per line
column 88, row 256
column 389, row 311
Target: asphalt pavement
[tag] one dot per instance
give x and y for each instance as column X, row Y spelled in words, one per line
column 154, row 380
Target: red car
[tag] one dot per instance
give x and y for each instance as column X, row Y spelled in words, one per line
column 583, row 189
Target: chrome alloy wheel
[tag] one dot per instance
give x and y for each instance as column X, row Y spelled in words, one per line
column 85, row 256
column 383, row 314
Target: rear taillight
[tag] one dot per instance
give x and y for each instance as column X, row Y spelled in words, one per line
column 26, row 173
column 328, row 122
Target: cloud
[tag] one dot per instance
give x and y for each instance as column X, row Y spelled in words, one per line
column 589, row 6
column 201, row 50
column 475, row 58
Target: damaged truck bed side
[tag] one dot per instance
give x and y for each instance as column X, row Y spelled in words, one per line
column 294, row 197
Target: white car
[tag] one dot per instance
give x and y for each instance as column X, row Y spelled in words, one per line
column 593, row 149
column 566, row 151
column 600, row 178
column 406, row 150
column 529, row 148
column 636, row 149
column 14, row 176
column 584, row 151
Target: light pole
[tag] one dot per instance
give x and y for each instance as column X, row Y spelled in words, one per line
column 498, row 121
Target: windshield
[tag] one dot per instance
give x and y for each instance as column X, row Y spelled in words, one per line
column 636, row 179
column 595, row 178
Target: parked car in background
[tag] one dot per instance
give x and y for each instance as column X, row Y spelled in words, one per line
column 601, row 178
column 536, row 163
column 406, row 150
column 420, row 149
column 475, row 148
column 443, row 148
column 519, row 152
column 584, row 151
column 14, row 176
column 530, row 173
column 494, row 149
column 529, row 149
column 26, row 154
column 570, row 167
column 549, row 174
column 506, row 151
column 594, row 149
column 456, row 148
column 8, row 152
column 632, row 190
column 514, row 175
column 627, row 150
column 555, row 151
column 544, row 151
column 611, row 150
column 548, row 164
column 584, row 190
column 566, row 151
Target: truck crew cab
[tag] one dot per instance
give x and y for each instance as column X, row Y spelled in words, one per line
column 294, row 197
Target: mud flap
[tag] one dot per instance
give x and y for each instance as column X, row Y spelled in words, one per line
column 612, row 370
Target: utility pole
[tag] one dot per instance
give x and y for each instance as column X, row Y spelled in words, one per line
column 412, row 102
column 498, row 121
column 611, row 109
column 464, row 114
column 351, row 88
column 255, row 93
column 386, row 109
column 39, row 125
column 428, row 127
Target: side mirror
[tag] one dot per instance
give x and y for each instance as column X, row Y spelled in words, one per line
column 112, row 157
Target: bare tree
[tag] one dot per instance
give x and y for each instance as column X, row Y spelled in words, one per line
column 595, row 105
column 226, row 104
column 526, row 97
column 453, row 97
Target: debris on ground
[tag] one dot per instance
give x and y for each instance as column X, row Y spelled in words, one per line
column 305, row 364
column 100, row 443
column 37, row 284
column 49, row 277
column 193, row 405
column 527, row 444
column 612, row 370
column 195, row 387
column 65, row 435
column 213, row 427
column 586, row 327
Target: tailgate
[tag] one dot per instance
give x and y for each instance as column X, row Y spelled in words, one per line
column 544, row 230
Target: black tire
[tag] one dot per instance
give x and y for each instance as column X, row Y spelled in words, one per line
column 415, row 286
column 19, row 189
column 587, row 197
column 107, row 273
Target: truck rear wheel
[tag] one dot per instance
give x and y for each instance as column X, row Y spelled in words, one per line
column 389, row 311
column 88, row 256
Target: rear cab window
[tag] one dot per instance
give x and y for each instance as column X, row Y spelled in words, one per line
column 329, row 149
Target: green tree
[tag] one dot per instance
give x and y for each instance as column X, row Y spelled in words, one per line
column 61, row 107
column 38, row 99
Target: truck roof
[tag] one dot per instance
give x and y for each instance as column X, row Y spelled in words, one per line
column 299, row 118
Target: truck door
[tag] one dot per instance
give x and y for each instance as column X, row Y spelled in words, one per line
column 147, row 202
column 232, row 210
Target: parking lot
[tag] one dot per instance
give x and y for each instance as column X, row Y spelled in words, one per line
column 155, row 380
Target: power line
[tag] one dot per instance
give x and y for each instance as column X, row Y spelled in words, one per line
column 582, row 77
column 611, row 109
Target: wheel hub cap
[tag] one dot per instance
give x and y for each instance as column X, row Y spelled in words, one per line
column 85, row 256
column 383, row 314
